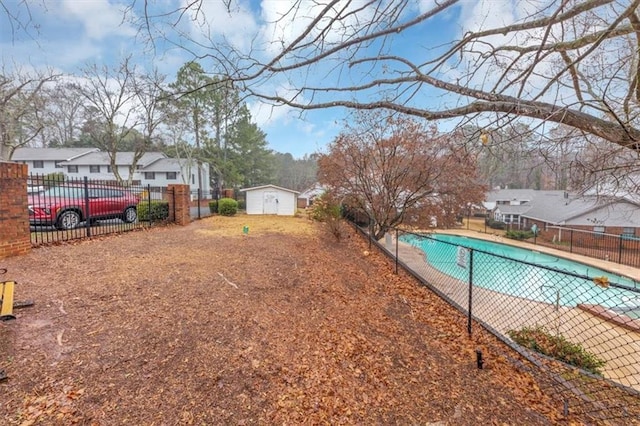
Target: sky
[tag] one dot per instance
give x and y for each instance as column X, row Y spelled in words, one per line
column 67, row 35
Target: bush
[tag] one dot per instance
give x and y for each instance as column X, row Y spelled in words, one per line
column 558, row 347
column 53, row 179
column 242, row 205
column 323, row 209
column 157, row 210
column 519, row 235
column 495, row 224
column 227, row 206
column 213, row 206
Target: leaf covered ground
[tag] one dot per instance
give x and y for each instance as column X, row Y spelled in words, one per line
column 204, row 325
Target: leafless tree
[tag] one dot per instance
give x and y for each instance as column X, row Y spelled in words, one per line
column 62, row 115
column 573, row 62
column 149, row 90
column 21, row 106
column 112, row 111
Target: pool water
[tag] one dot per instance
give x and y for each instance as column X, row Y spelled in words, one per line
column 527, row 273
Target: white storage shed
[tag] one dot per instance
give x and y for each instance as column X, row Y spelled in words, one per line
column 271, row 199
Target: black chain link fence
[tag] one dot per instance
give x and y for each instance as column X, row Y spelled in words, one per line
column 578, row 326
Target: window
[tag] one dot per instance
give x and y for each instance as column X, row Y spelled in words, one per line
column 193, row 179
column 58, row 166
column 598, row 229
column 171, row 175
column 94, row 169
column 628, row 231
column 72, row 169
column 149, row 175
column 109, row 169
column 38, row 164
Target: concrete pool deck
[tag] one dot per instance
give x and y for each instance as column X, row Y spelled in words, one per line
column 617, row 345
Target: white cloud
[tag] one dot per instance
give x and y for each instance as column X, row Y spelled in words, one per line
column 283, row 23
column 265, row 115
column 100, row 18
column 237, row 24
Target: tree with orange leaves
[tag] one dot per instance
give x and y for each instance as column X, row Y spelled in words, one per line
column 396, row 171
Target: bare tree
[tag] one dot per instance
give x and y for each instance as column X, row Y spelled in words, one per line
column 149, row 91
column 62, row 115
column 573, row 62
column 21, row 106
column 112, row 111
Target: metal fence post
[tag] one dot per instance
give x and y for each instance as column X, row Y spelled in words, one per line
column 149, row 204
column 87, row 212
column 199, row 197
column 571, row 241
column 470, row 290
column 620, row 249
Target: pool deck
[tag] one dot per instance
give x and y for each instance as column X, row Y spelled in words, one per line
column 617, row 345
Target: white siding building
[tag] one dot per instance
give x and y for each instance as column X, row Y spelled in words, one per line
column 43, row 161
column 271, row 199
column 153, row 168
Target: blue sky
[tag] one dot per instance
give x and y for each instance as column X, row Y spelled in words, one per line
column 66, row 35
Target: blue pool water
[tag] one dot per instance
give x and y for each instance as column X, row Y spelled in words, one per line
column 527, row 273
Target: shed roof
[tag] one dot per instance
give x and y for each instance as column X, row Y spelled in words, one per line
column 255, row 188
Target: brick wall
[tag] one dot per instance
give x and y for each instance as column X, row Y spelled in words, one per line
column 14, row 215
column 179, row 204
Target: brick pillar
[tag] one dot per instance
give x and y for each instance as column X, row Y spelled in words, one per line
column 14, row 215
column 179, row 204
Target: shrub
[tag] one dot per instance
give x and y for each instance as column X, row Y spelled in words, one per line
column 213, row 206
column 519, row 235
column 227, row 206
column 157, row 210
column 495, row 224
column 242, row 205
column 324, row 210
column 53, row 179
column 558, row 347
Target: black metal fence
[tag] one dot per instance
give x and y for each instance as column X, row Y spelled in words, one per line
column 624, row 249
column 62, row 209
column 580, row 329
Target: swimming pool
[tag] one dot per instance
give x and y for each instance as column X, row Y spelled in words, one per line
column 526, row 273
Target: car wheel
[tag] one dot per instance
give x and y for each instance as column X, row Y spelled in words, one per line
column 130, row 215
column 68, row 220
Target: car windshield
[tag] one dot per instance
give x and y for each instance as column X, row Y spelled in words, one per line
column 64, row 192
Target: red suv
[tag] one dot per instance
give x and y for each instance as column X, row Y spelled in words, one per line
column 64, row 207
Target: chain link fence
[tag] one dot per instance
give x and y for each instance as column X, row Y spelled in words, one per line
column 579, row 327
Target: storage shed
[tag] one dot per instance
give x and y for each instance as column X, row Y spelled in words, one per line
column 271, row 199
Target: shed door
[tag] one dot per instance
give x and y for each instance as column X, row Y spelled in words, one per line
column 270, row 202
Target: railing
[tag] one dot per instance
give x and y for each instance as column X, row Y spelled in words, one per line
column 537, row 304
column 624, row 249
column 67, row 209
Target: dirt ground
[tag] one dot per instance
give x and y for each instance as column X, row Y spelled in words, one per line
column 205, row 325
